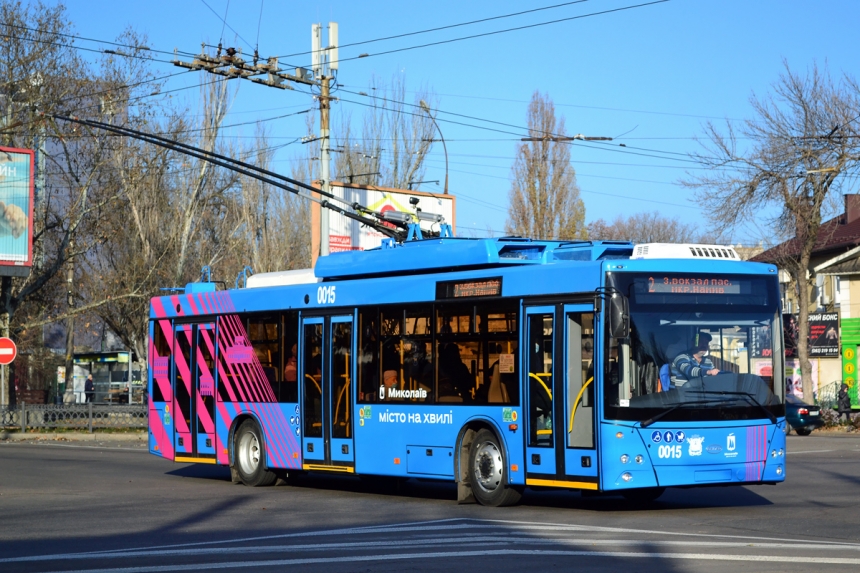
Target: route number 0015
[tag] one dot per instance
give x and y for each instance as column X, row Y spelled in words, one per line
column 669, row 451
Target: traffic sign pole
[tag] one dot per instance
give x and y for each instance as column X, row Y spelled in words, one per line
column 8, row 352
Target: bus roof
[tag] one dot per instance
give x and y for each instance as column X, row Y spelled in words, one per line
column 450, row 254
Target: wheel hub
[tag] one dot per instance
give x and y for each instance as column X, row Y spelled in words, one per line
column 249, row 453
column 488, row 467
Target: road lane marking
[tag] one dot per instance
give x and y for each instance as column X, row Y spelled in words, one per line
column 470, row 523
column 413, row 542
column 478, row 553
column 810, row 452
column 421, row 542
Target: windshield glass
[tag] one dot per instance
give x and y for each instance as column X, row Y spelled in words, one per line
column 701, row 347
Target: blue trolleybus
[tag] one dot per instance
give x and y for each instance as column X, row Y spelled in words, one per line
column 499, row 364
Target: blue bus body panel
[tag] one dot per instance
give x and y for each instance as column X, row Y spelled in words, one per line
column 692, row 453
column 394, row 439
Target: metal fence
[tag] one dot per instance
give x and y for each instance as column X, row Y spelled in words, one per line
column 73, row 416
column 827, row 394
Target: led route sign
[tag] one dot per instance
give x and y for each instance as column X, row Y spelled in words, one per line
column 692, row 285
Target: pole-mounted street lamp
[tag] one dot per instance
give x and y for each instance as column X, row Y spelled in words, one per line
column 426, row 108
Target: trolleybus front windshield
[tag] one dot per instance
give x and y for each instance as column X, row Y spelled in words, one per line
column 701, row 347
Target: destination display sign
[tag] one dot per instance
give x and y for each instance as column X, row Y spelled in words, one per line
column 469, row 289
column 660, row 284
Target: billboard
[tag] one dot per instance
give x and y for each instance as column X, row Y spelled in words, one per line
column 348, row 235
column 16, row 211
column 823, row 335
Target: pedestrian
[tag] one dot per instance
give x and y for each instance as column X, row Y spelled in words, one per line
column 89, row 389
column 843, row 403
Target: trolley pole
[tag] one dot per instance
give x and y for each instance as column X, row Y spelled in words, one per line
column 325, row 105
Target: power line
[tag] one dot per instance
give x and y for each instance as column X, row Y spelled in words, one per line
column 224, row 20
column 449, row 26
column 73, row 47
column 76, row 37
column 518, row 28
column 591, row 107
column 498, row 123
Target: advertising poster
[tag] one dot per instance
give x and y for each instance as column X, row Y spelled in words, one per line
column 761, row 343
column 16, row 210
column 793, row 384
column 824, row 335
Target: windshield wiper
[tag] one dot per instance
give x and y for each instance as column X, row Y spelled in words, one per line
column 651, row 420
column 749, row 396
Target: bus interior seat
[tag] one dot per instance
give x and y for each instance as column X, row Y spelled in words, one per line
column 665, row 379
column 498, row 392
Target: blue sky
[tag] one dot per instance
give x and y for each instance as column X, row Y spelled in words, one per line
column 655, row 73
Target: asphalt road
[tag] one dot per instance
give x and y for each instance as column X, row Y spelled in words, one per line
column 113, row 507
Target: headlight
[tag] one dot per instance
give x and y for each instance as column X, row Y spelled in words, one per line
column 627, row 476
column 625, row 458
column 639, row 459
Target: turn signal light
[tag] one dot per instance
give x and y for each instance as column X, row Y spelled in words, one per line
column 513, row 427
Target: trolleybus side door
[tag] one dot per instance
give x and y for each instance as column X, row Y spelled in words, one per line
column 539, row 368
column 194, row 389
column 327, row 366
column 560, row 448
column 580, row 453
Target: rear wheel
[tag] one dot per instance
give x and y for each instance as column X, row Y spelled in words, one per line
column 803, row 431
column 250, row 456
column 488, row 472
column 643, row 495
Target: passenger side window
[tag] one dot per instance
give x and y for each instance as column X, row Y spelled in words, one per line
column 265, row 341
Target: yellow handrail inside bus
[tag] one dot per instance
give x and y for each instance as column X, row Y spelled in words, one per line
column 542, row 383
column 576, row 403
column 314, row 380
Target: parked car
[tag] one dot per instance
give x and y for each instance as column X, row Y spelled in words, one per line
column 801, row 416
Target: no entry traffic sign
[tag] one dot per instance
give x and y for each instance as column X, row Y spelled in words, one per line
column 8, row 350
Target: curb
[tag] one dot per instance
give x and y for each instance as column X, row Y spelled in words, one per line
column 75, row 436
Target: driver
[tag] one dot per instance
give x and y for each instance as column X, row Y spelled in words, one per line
column 694, row 363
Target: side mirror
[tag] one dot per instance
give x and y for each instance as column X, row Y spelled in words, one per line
column 619, row 316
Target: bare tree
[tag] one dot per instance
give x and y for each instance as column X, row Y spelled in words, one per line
column 395, row 138
column 649, row 228
column 48, row 76
column 544, row 197
column 174, row 215
column 273, row 228
column 799, row 152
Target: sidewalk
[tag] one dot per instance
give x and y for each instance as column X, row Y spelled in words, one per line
column 75, row 436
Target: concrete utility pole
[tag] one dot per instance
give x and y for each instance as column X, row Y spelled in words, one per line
column 325, row 63
column 325, row 162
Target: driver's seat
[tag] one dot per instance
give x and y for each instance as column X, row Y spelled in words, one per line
column 665, row 379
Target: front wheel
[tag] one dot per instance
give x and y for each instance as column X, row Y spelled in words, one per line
column 488, row 472
column 250, row 456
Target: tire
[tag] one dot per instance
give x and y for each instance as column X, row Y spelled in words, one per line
column 643, row 495
column 249, row 453
column 787, row 428
column 488, row 472
column 803, row 431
